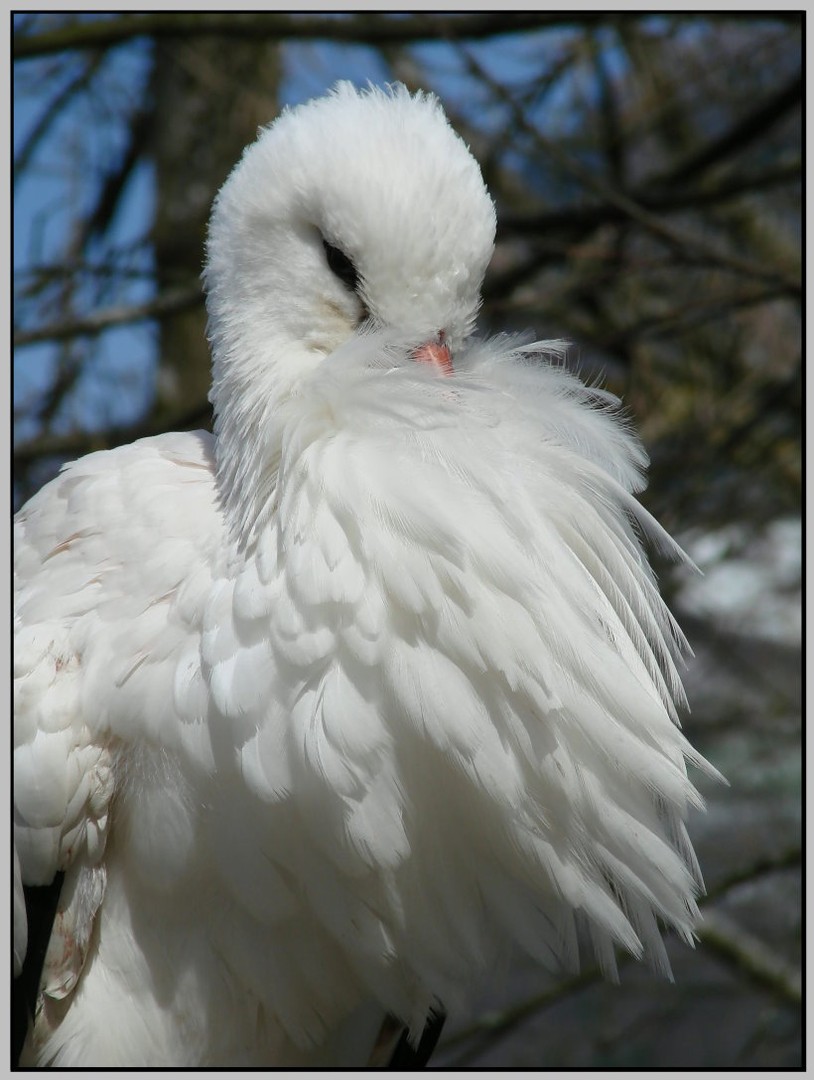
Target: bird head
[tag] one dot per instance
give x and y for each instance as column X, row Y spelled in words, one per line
column 358, row 210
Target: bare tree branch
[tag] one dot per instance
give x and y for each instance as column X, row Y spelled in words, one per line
column 580, row 219
column 750, row 956
column 54, row 109
column 168, row 304
column 492, row 1027
column 373, row 29
column 681, row 239
column 784, row 859
column 76, row 443
column 115, row 180
column 742, row 133
column 693, row 314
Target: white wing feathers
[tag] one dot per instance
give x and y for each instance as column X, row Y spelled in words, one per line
column 99, row 556
column 429, row 711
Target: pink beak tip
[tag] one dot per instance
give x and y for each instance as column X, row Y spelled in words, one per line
column 436, row 353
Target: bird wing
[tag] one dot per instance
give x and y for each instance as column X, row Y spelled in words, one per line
column 112, row 560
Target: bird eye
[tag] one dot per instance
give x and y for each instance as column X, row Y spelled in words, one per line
column 341, row 265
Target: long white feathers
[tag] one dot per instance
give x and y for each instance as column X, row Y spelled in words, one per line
column 346, row 702
column 427, row 713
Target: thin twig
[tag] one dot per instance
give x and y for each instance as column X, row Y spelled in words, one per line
column 76, row 443
column 743, row 132
column 750, row 956
column 681, row 239
column 168, row 304
column 585, row 218
column 53, row 111
column 371, row 29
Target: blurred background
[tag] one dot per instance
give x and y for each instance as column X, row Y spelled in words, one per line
column 647, row 175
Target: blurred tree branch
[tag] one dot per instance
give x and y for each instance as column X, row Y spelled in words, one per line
column 168, row 304
column 372, row 29
column 750, row 956
column 76, row 443
column 114, row 182
column 680, row 239
column 75, row 86
column 579, row 220
column 741, row 134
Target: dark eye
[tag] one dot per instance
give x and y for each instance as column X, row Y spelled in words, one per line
column 341, row 265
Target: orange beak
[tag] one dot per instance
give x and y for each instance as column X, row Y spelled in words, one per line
column 436, row 353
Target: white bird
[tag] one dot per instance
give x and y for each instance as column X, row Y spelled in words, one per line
column 321, row 714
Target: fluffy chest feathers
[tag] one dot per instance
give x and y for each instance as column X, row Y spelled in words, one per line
column 447, row 674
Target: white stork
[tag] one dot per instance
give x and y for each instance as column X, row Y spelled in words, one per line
column 322, row 713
